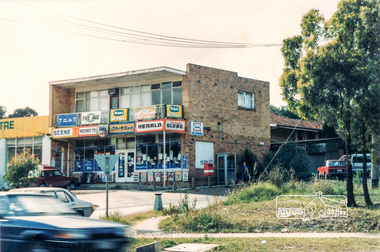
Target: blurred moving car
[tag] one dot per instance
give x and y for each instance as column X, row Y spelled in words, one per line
column 81, row 207
column 38, row 222
column 53, row 177
column 333, row 169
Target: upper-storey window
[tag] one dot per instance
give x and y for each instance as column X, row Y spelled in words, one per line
column 167, row 93
column 91, row 101
column 246, row 100
column 130, row 97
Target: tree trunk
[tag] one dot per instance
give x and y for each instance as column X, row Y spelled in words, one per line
column 375, row 161
column 350, row 185
column 367, row 199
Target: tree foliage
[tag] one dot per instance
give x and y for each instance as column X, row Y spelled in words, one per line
column 284, row 111
column 23, row 112
column 19, row 168
column 291, row 157
column 2, row 112
column 338, row 81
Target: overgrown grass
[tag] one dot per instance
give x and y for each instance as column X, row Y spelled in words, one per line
column 253, row 209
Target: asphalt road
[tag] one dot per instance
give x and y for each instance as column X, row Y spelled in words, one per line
column 133, row 201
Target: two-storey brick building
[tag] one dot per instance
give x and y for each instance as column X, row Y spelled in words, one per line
column 160, row 121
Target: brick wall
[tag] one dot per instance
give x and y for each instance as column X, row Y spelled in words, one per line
column 211, row 96
column 61, row 101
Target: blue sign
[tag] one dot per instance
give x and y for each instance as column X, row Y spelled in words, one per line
column 66, row 120
column 184, row 161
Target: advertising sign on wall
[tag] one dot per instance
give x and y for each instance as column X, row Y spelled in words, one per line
column 122, row 128
column 196, row 128
column 119, row 115
column 173, row 111
column 149, row 126
column 175, row 126
column 67, row 120
column 147, row 112
column 65, row 132
column 88, row 131
column 90, row 118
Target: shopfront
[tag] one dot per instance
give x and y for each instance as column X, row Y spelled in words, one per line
column 148, row 150
column 27, row 134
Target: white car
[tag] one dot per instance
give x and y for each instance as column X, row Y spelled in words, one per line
column 81, row 207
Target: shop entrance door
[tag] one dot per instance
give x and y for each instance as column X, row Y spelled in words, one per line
column 125, row 166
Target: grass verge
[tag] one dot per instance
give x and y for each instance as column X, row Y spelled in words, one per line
column 271, row 244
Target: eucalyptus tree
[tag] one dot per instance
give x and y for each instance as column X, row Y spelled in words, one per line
column 332, row 72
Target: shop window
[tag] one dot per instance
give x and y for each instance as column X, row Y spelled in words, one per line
column 150, row 154
column 85, row 151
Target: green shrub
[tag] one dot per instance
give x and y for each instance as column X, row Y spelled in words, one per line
column 254, row 193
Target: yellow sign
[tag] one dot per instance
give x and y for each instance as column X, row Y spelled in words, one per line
column 174, row 111
column 118, row 115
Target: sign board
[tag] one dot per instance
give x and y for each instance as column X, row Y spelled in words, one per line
column 67, row 120
column 173, row 111
column 102, row 161
column 118, row 115
column 65, row 132
column 175, row 126
column 88, row 131
column 147, row 112
column 196, row 128
column 91, row 117
column 121, row 128
column 150, row 126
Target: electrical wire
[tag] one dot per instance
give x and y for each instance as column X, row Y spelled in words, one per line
column 133, row 36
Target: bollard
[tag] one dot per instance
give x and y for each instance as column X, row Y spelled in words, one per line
column 158, row 202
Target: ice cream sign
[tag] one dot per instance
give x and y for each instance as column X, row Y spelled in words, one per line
column 118, row 115
column 173, row 111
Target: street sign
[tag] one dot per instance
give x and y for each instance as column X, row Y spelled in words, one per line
column 105, row 162
column 102, row 161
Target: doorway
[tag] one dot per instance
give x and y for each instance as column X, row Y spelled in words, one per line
column 125, row 166
column 226, row 168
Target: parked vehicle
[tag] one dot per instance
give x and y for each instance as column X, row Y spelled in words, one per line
column 38, row 222
column 357, row 163
column 81, row 207
column 53, row 177
column 333, row 169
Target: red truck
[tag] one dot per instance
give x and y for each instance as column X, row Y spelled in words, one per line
column 333, row 169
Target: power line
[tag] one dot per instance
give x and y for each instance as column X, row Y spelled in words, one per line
column 138, row 37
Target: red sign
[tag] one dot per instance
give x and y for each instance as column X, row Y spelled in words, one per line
column 208, row 169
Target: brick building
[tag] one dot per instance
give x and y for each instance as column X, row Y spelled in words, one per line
column 160, row 121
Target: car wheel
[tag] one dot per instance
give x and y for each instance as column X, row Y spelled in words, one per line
column 38, row 246
column 80, row 213
column 43, row 185
column 72, row 186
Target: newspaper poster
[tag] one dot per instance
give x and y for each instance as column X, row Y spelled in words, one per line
column 178, row 176
column 185, row 176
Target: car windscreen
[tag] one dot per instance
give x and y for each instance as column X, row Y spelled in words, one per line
column 25, row 205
